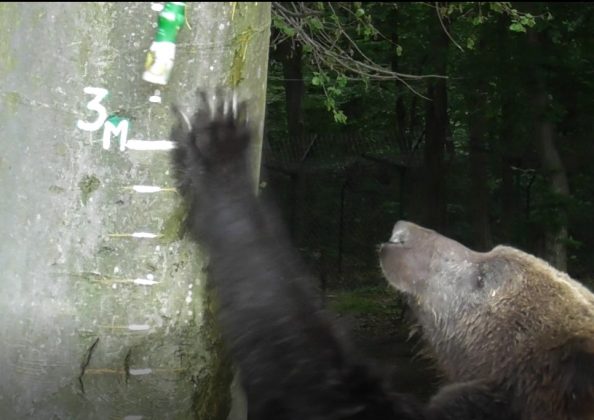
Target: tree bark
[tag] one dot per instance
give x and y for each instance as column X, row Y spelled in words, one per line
column 104, row 310
column 556, row 234
column 510, row 206
column 289, row 53
column 479, row 172
column 433, row 210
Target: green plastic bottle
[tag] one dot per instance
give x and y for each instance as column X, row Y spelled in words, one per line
column 161, row 56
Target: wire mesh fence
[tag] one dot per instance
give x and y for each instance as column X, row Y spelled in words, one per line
column 340, row 196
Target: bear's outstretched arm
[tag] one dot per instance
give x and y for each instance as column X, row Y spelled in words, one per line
column 292, row 363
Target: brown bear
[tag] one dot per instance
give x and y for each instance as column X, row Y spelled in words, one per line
column 515, row 337
column 502, row 321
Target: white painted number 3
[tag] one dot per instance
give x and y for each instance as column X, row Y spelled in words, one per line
column 94, row 105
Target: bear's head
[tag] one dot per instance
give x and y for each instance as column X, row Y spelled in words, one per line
column 503, row 317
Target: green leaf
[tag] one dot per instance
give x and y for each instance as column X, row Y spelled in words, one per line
column 470, row 43
column 528, row 20
column 334, row 91
column 315, row 24
column 283, row 27
column 496, row 7
column 517, row 27
column 339, row 117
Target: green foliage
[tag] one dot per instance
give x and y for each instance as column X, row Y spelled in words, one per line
column 493, row 73
column 378, row 301
column 351, row 302
column 333, row 90
column 282, row 26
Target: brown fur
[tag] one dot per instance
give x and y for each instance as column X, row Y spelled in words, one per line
column 503, row 317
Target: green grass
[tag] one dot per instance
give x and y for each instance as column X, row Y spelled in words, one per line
column 376, row 301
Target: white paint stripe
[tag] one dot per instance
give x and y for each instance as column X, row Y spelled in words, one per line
column 139, row 327
column 145, row 371
column 145, row 282
column 134, row 144
column 146, row 188
column 144, row 235
column 135, row 235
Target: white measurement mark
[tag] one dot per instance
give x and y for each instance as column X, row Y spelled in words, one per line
column 135, row 235
column 94, row 105
column 139, row 327
column 156, row 99
column 145, row 235
column 145, row 371
column 133, row 144
column 148, row 189
column 145, row 282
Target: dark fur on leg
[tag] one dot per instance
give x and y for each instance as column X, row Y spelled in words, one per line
column 292, row 363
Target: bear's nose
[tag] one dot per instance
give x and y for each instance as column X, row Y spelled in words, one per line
column 402, row 231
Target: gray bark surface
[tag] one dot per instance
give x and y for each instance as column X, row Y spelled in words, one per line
column 96, row 323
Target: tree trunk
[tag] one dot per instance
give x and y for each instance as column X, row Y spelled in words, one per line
column 402, row 139
column 556, row 234
column 289, row 53
column 105, row 314
column 510, row 207
column 433, row 209
column 479, row 172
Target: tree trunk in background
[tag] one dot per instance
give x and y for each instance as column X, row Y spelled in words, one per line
column 479, row 192
column 403, row 139
column 556, row 235
column 289, row 53
column 97, row 322
column 510, row 207
column 507, row 145
column 400, row 109
column 433, row 208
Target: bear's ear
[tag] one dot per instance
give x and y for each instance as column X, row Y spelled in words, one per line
column 578, row 373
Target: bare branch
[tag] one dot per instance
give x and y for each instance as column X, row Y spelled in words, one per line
column 333, row 48
column 445, row 29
